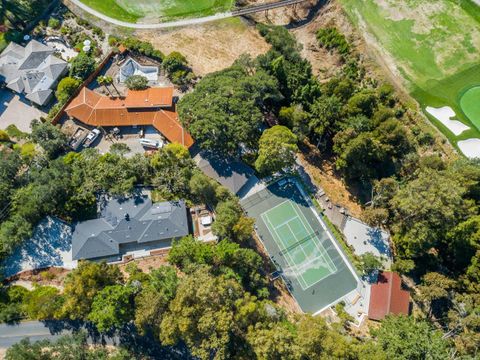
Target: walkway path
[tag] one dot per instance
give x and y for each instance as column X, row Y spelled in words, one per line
column 185, row 22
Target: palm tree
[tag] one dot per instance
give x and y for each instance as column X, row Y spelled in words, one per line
column 109, row 81
column 103, row 81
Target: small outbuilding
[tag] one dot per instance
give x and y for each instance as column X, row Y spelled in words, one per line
column 387, row 296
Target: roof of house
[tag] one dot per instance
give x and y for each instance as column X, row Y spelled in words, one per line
column 32, row 69
column 229, row 172
column 131, row 67
column 153, row 106
column 146, row 222
column 388, row 297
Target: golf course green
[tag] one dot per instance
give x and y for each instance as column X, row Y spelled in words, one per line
column 156, row 10
column 433, row 45
column 470, row 103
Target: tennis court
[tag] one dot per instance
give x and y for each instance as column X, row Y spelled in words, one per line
column 305, row 255
column 304, row 252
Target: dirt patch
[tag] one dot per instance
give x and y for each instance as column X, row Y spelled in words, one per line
column 322, row 172
column 146, row 264
column 46, row 277
column 210, row 47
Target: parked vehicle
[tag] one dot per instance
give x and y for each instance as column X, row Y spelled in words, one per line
column 152, row 144
column 77, row 139
column 91, row 137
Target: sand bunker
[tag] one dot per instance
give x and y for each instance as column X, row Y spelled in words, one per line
column 444, row 114
column 470, row 148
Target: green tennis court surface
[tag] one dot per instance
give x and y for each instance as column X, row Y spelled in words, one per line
column 310, row 261
column 299, row 243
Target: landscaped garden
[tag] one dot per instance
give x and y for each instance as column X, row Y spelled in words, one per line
column 150, row 10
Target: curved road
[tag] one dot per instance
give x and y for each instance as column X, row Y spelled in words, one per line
column 185, row 22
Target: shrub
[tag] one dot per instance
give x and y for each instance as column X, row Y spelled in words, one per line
column 53, row 23
column 174, row 62
column 144, row 48
column 331, row 38
column 66, row 88
column 113, row 40
column 14, row 132
column 4, row 136
column 137, row 82
column 82, row 66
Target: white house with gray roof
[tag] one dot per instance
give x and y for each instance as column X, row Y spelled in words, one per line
column 127, row 225
column 131, row 67
column 32, row 70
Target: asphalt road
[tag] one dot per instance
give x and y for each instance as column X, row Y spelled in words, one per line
column 186, row 22
column 35, row 330
column 143, row 345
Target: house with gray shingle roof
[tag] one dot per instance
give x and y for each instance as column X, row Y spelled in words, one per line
column 32, row 70
column 127, row 225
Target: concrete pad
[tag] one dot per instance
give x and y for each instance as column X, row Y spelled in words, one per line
column 366, row 239
column 444, row 115
column 14, row 109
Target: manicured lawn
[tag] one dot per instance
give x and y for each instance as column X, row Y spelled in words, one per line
column 470, row 103
column 133, row 11
column 434, row 45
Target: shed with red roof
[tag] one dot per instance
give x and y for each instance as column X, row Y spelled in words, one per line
column 388, row 297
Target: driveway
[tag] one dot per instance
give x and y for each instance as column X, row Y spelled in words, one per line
column 129, row 137
column 16, row 110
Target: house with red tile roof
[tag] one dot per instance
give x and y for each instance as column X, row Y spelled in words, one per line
column 388, row 297
column 153, row 106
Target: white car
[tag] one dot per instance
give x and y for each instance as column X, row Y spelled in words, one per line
column 151, row 144
column 91, row 137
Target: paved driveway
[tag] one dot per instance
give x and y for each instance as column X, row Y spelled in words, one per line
column 14, row 109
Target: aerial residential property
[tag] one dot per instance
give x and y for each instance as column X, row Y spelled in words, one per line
column 230, row 180
column 32, row 70
column 153, row 106
column 129, row 225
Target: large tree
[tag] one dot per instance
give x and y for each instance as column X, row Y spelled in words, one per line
column 405, row 338
column 112, row 307
column 84, row 283
column 226, row 108
column 203, row 315
column 173, row 169
column 277, row 150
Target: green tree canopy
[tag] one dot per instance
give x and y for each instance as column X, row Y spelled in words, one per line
column 49, row 137
column 82, row 66
column 405, row 338
column 226, row 108
column 66, row 88
column 84, row 283
column 136, row 82
column 277, row 150
column 112, row 307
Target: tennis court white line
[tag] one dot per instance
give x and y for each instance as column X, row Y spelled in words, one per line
column 330, row 236
column 291, row 263
column 322, row 253
column 296, row 265
column 331, row 266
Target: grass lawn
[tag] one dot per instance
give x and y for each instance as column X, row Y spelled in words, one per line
column 434, row 45
column 133, row 11
column 471, row 105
